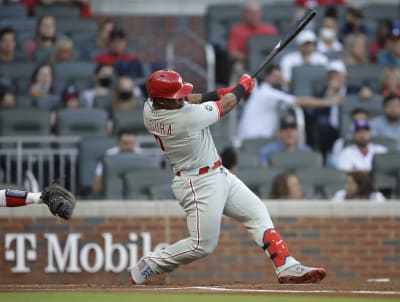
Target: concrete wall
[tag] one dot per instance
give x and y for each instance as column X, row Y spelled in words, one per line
column 352, row 240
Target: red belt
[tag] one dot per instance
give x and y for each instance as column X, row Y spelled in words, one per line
column 205, row 170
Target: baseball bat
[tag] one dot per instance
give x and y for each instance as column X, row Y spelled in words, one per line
column 291, row 34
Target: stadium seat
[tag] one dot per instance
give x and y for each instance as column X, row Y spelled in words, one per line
column 254, row 144
column 24, row 122
column 91, row 151
column 258, row 47
column 42, row 55
column 369, row 74
column 19, row 24
column 304, row 78
column 81, row 122
column 116, row 166
column 140, row 183
column 331, row 189
column 13, row 11
column 376, row 11
column 279, row 14
column 318, row 178
column 294, row 161
column 19, row 73
column 386, row 167
column 74, row 71
column 218, row 20
column 25, row 101
column 161, row 192
column 56, row 10
column 102, row 101
column 247, row 159
column 49, row 102
column 69, row 26
column 256, row 178
column 129, row 119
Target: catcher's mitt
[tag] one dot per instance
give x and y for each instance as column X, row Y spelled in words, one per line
column 60, row 201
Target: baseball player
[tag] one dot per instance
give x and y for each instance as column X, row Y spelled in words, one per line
column 204, row 188
column 60, row 201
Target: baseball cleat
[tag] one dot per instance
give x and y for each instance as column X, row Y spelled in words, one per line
column 140, row 273
column 299, row 274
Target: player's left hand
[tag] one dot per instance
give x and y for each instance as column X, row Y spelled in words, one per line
column 60, row 201
column 247, row 82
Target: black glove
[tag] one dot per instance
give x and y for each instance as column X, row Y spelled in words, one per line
column 60, row 201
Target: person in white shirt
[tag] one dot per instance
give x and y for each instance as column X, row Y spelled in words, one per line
column 328, row 43
column 305, row 55
column 260, row 116
column 358, row 186
column 359, row 155
column 126, row 143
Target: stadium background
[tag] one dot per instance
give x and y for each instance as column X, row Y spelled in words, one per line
column 350, row 241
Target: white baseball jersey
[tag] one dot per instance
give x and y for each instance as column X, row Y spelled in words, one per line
column 185, row 138
column 350, row 158
column 184, row 134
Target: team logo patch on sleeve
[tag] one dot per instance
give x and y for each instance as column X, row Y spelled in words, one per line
column 209, row 107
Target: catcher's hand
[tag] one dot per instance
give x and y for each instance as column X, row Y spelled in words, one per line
column 60, row 201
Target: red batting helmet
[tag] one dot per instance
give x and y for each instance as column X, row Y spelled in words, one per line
column 167, row 84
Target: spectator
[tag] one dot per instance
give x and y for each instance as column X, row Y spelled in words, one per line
column 8, row 46
column 124, row 94
column 328, row 43
column 100, row 43
column 390, row 56
column 103, row 80
column 7, row 99
column 305, row 55
column 83, row 4
column 45, row 36
column 355, row 115
column 355, row 49
column 288, row 140
column 42, row 81
column 124, row 63
column 388, row 124
column 323, row 130
column 359, row 155
column 251, row 24
column 126, row 143
column 63, row 51
column 382, row 34
column 286, row 186
column 390, row 81
column 70, row 97
column 358, row 186
column 314, row 3
column 353, row 23
column 260, row 114
column 230, row 160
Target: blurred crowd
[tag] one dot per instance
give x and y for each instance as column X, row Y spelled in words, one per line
column 65, row 59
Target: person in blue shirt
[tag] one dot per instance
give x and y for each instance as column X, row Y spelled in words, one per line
column 288, row 140
column 390, row 56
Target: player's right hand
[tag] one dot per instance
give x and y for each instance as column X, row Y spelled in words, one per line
column 247, row 82
column 222, row 91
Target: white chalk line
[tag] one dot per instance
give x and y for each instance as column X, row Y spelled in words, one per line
column 277, row 291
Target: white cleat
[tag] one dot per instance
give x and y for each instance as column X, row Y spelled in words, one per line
column 299, row 274
column 141, row 273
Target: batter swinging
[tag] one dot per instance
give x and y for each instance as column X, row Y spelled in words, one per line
column 204, row 188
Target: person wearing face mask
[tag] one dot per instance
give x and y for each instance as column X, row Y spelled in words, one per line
column 260, row 116
column 124, row 97
column 328, row 43
column 103, row 80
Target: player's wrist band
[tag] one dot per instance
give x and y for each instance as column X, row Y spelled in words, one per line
column 209, row 96
column 238, row 91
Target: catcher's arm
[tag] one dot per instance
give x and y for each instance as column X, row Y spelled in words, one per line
column 60, row 201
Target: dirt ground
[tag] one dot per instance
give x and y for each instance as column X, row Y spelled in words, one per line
column 388, row 288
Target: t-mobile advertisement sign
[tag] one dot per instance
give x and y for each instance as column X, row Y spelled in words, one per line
column 74, row 254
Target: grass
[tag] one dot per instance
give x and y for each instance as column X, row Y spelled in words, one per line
column 133, row 297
